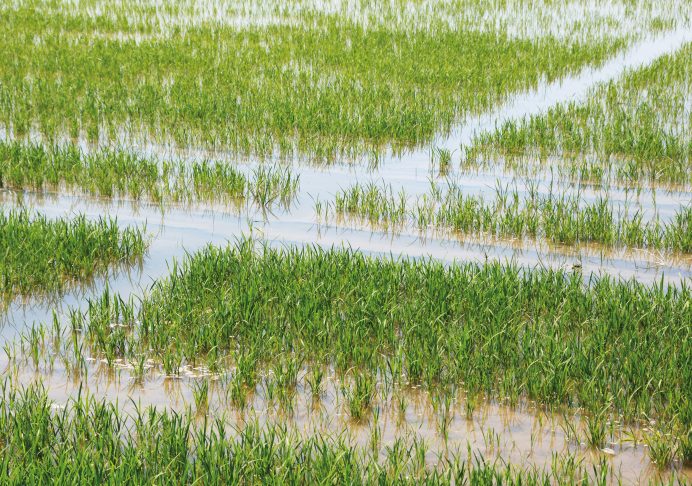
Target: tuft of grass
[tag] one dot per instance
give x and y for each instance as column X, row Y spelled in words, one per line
column 46, row 256
column 119, row 173
column 200, row 393
column 371, row 204
column 359, row 395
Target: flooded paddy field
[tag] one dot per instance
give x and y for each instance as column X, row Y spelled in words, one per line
column 321, row 241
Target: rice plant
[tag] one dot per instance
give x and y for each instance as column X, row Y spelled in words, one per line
column 635, row 129
column 371, row 204
column 42, row 256
column 116, row 173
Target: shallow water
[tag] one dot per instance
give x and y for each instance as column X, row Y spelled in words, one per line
column 526, row 436
column 523, row 434
column 179, row 231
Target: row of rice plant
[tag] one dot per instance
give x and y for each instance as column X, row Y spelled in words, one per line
column 379, row 206
column 91, row 441
column 564, row 218
column 331, row 86
column 494, row 329
column 133, row 20
column 118, row 173
column 44, row 256
column 635, row 129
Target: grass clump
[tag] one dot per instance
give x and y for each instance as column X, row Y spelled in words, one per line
column 369, row 203
column 41, row 256
column 558, row 218
column 634, row 129
column 499, row 329
column 117, row 173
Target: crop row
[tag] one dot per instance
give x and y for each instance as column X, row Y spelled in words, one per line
column 558, row 218
column 92, row 441
column 328, row 88
column 119, row 173
column 636, row 128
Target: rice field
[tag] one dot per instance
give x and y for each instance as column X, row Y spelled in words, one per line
column 419, row 323
column 330, row 89
column 345, row 242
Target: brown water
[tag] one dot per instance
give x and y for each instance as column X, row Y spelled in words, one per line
column 524, row 434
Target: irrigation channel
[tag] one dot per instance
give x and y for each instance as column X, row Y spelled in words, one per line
column 523, row 434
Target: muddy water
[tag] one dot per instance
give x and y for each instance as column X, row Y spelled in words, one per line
column 523, row 434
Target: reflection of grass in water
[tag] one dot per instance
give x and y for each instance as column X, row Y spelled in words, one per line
column 41, row 256
column 637, row 127
column 326, row 88
column 110, row 173
column 558, row 218
column 499, row 329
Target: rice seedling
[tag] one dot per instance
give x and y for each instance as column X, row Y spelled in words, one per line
column 595, row 344
column 271, row 185
column 571, row 429
column 371, row 204
column 86, row 440
column 114, row 173
column 359, row 395
column 401, row 406
column 443, row 158
column 375, row 433
column 662, row 448
column 237, row 393
column 558, row 218
column 314, row 381
column 635, row 129
column 200, row 393
column 596, row 430
column 325, row 86
column 42, row 256
column 139, row 368
column 685, row 446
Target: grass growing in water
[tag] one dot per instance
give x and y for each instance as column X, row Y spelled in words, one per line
column 117, row 173
column 372, row 204
column 91, row 441
column 40, row 255
column 558, row 218
column 325, row 87
column 501, row 330
column 637, row 128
